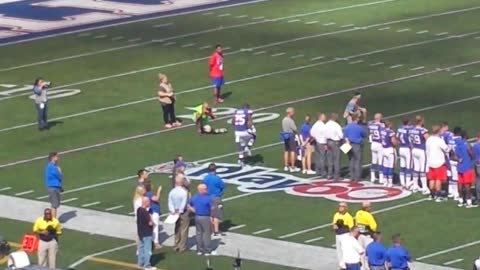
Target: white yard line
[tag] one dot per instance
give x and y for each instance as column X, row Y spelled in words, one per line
column 5, row 188
column 417, row 68
column 90, row 204
column 297, row 56
column 442, row 34
column 384, row 28
column 237, row 227
column 453, row 261
column 396, row 66
column 314, row 239
column 24, row 193
column 262, row 231
column 356, row 62
column 117, row 38
column 69, row 200
column 403, row 30
column 259, row 52
column 223, row 28
column 99, row 36
column 422, row 32
column 114, row 208
column 188, row 45
column 377, row 64
column 347, row 25
column 258, row 18
column 476, row 76
column 134, row 39
column 134, row 137
column 294, row 20
column 277, row 54
column 311, row 22
column 459, row 73
column 224, row 15
column 317, row 58
column 169, row 43
column 448, row 250
column 84, row 259
column 241, row 16
column 205, row 47
column 330, row 224
column 328, row 24
column 163, row 25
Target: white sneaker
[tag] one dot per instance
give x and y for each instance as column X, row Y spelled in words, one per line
column 294, row 169
column 438, row 199
column 304, row 171
column 151, row 268
column 460, row 204
column 286, row 169
column 310, row 172
column 199, row 253
column 426, row 192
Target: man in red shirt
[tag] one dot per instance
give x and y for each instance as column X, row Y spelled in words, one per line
column 216, row 72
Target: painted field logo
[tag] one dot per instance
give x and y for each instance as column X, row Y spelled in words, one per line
column 256, row 179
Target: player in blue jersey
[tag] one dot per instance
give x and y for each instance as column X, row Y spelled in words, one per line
column 466, row 174
column 244, row 132
column 452, row 162
column 446, row 135
column 389, row 155
column 405, row 154
column 418, row 137
column 374, row 128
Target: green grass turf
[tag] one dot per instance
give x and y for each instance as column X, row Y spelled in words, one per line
column 263, row 81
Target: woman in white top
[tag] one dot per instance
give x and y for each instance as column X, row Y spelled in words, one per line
column 137, row 203
column 166, row 96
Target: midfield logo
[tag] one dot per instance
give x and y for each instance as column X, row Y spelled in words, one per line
column 257, row 179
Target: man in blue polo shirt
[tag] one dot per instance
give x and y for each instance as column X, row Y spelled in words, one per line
column 355, row 134
column 397, row 255
column 376, row 253
column 201, row 205
column 215, row 187
column 54, row 182
column 476, row 156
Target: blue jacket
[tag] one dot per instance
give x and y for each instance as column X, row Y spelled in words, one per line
column 53, row 176
column 215, row 185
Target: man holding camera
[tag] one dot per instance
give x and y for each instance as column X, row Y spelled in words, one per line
column 40, row 93
column 48, row 229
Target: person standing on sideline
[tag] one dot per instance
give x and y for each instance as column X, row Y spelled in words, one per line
column 352, row 251
column 215, row 188
column 48, row 229
column 466, row 173
column 366, row 225
column 334, row 134
column 405, row 154
column 376, row 253
column 142, row 175
column 342, row 224
column 319, row 133
column 154, row 211
column 375, row 128
column 201, row 205
column 353, row 110
column 145, row 232
column 137, row 203
column 54, row 182
column 307, row 147
column 418, row 137
column 166, row 96
column 40, row 96
column 289, row 129
column 354, row 134
column 436, row 150
column 397, row 256
column 217, row 72
column 476, row 154
column 177, row 205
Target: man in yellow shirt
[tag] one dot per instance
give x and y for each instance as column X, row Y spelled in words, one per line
column 367, row 225
column 48, row 229
column 341, row 224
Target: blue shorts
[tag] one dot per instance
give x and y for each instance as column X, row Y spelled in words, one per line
column 218, row 82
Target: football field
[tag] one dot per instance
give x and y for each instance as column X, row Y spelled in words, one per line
column 406, row 57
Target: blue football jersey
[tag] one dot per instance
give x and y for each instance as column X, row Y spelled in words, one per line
column 240, row 119
column 465, row 162
column 417, row 137
column 374, row 130
column 387, row 135
column 403, row 135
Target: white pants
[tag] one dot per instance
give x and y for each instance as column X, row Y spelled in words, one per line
column 419, row 160
column 338, row 246
column 405, row 156
column 376, row 149
column 388, row 157
column 156, row 227
column 364, row 241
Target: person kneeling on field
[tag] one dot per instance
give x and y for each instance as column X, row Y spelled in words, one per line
column 201, row 115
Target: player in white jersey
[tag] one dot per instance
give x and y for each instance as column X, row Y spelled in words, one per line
column 389, row 155
column 405, row 154
column 245, row 133
column 375, row 127
column 418, row 138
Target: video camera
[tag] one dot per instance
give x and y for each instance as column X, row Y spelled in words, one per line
column 47, row 84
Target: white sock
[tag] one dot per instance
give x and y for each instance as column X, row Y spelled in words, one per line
column 423, row 179
column 469, row 201
column 372, row 176
column 390, row 180
column 381, row 177
column 402, row 179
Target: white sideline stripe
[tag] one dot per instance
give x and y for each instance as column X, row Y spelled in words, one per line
column 314, row 239
column 224, row 15
column 169, row 43
column 258, row 18
column 24, row 192
column 114, row 208
column 262, row 231
column 82, row 260
column 260, row 109
column 328, row 24
column 356, row 62
column 241, row 16
column 317, row 58
column 217, row 29
column 441, row 34
column 422, row 32
column 205, row 47
column 100, row 36
column 403, row 30
column 347, row 25
column 259, row 52
column 163, row 25
column 294, row 20
column 384, row 28
column 188, row 45
column 417, row 68
column 275, row 144
column 396, row 66
column 458, row 73
column 476, row 76
column 376, row 64
column 312, row 22
column 448, row 250
column 237, row 227
column 5, row 188
column 297, row 56
column 277, row 54
column 330, row 224
column 453, row 261
column 69, row 200
column 118, row 38
column 90, row 204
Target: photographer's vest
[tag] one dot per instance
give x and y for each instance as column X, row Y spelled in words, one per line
column 41, row 98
